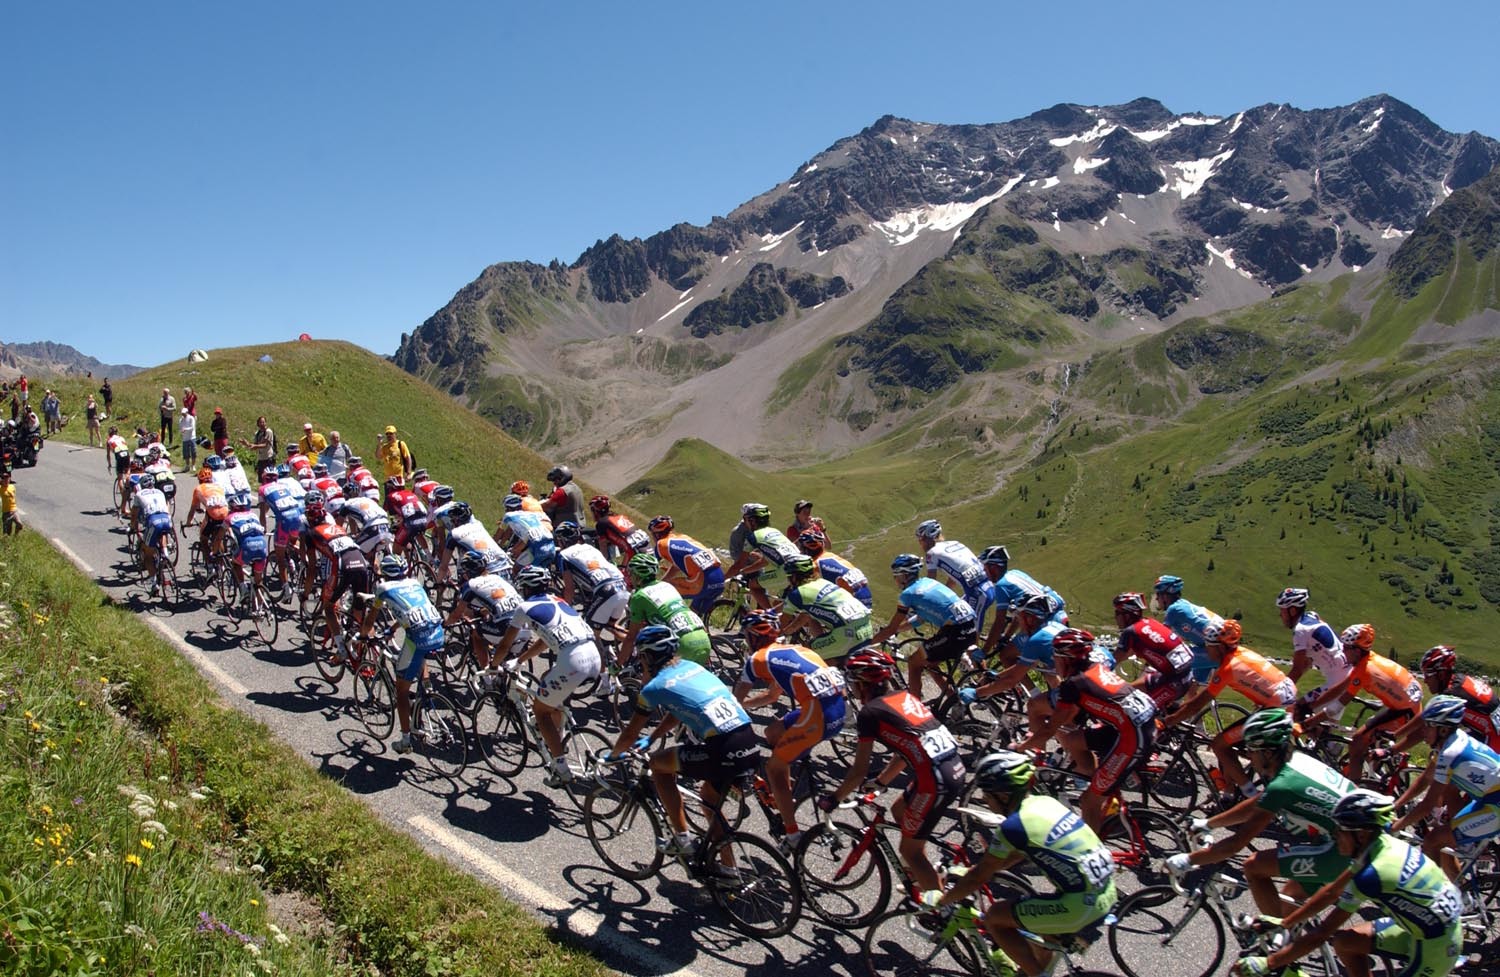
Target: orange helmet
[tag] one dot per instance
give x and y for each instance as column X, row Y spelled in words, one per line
column 1227, row 633
column 520, row 487
column 1361, row 636
column 204, row 475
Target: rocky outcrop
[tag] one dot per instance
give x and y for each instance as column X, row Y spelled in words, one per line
column 765, row 295
column 1468, row 219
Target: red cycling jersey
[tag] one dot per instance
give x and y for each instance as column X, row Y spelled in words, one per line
column 1479, row 717
column 618, row 531
column 903, row 723
column 1158, row 646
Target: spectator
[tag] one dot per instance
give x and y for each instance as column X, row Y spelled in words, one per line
column 187, row 428
column 395, row 456
column 336, row 456
column 312, row 443
column 168, row 411
column 91, row 412
column 220, row 428
column 25, row 389
column 9, row 521
column 190, row 401
column 52, row 412
column 264, row 445
column 108, row 393
column 803, row 520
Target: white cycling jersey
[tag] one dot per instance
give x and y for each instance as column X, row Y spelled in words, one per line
column 590, row 569
column 365, row 514
column 957, row 561
column 293, row 486
column 1320, row 643
column 149, row 502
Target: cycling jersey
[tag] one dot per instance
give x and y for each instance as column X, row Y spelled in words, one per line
column 619, row 532
column 1481, row 702
column 155, row 517
column 1102, row 695
column 285, row 507
column 493, row 600
column 933, row 603
column 1315, row 639
column 293, row 486
column 836, row 569
column 1388, row 682
column 1072, row 857
column 1158, row 646
column 695, row 698
column 249, row 536
column 1015, row 586
column 409, row 514
column 845, row 621
column 572, row 644
column 1422, row 906
column 1303, row 794
column 1251, row 675
column 361, row 482
column 953, row 558
column 234, row 483
column 800, row 674
column 408, row 602
column 660, row 603
column 775, row 547
column 209, row 498
column 302, row 468
column 328, row 539
column 471, row 537
column 589, row 569
column 531, row 529
column 329, row 486
column 905, row 725
column 701, row 575
column 425, row 490
column 1035, row 649
column 369, row 522
column 1467, row 764
column 1190, row 622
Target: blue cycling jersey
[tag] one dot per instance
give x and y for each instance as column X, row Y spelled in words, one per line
column 1036, row 648
column 696, row 698
column 1015, row 586
column 1467, row 764
column 413, row 609
column 537, row 533
column 286, row 506
column 836, row 569
column 1190, row 621
column 248, row 534
column 933, row 603
column 984, row 601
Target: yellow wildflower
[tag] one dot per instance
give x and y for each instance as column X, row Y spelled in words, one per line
column 132, row 859
column 146, row 844
column 255, row 902
column 103, row 680
column 28, row 714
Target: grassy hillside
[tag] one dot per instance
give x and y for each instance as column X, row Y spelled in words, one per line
column 337, row 386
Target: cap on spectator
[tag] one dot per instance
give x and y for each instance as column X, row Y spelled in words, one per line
column 307, row 426
column 801, row 504
column 184, row 410
column 390, row 429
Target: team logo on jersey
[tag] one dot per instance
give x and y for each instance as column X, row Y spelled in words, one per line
column 1302, row 866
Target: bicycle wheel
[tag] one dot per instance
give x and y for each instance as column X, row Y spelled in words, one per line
column 903, row 943
column 727, row 655
column 171, row 547
column 325, row 655
column 624, row 830
column 171, row 589
column 1141, row 840
column 757, row 888
column 723, row 617
column 263, row 614
column 1172, row 782
column 846, row 884
column 1154, row 925
column 500, row 734
column 581, row 746
column 1219, row 716
column 734, row 809
column 439, row 735
column 224, row 582
column 374, row 699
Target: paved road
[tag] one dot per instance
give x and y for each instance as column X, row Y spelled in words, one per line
column 522, row 837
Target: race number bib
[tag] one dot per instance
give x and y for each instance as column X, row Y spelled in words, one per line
column 722, row 713
column 341, row 544
column 939, row 743
column 638, row 541
column 681, row 623
column 569, row 629
column 824, row 683
column 1097, row 866
column 704, row 559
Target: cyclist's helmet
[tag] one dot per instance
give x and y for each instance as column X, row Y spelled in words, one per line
column 1439, row 658
column 801, row 566
column 292, row 449
column 1004, row 772
column 870, row 665
column 996, row 556
column 204, row 475
column 240, row 502
column 760, row 628
column 419, row 475
column 1269, row 729
column 214, row 463
column 567, row 533
column 643, row 568
column 520, row 487
column 392, row 567
column 334, row 505
column 267, row 475
column 1292, row 597
column 313, row 500
column 458, row 514
column 1072, row 643
column 1226, row 633
column 320, row 470
column 907, row 565
column 599, row 505
column 355, row 461
column 512, row 503
column 147, row 481
column 660, row 525
column 931, row 529
column 559, row 474
column 443, row 494
column 1444, row 710
column 283, row 470
column 656, row 644
column 533, row 580
column 1037, row 606
column 812, row 541
column 1361, row 636
column 1361, row 809
column 472, row 564
column 757, row 513
column 1131, row 603
column 395, row 483
column 1168, row 584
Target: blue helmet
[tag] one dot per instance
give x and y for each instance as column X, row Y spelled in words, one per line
column 907, row 565
column 1168, row 584
column 283, row 470
column 657, row 644
column 214, row 463
column 1444, row 710
column 931, row 529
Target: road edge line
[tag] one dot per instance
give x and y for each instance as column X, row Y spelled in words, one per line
column 72, row 557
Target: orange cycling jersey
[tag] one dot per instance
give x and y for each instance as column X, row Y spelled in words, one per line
column 1251, row 675
column 1389, row 682
column 689, row 557
column 209, row 497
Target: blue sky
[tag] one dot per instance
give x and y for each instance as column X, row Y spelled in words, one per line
column 201, row 174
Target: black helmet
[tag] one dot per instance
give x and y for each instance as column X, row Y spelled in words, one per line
column 560, row 474
column 472, row 564
column 567, row 533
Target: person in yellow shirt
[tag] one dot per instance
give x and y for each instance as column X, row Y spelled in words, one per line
column 312, row 443
column 11, row 524
column 395, row 457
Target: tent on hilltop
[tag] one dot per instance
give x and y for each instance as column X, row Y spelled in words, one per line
column 197, row 356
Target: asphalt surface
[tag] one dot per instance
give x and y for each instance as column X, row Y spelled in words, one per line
column 524, row 838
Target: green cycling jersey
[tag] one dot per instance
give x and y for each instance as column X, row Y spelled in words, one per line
column 660, row 603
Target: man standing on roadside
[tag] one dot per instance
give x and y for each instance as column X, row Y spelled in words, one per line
column 168, row 411
column 312, row 443
column 336, row 456
column 220, row 428
column 395, row 457
column 264, row 445
column 187, row 427
column 52, row 412
column 108, row 393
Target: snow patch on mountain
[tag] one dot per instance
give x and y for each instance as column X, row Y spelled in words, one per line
column 1193, row 174
column 1391, row 233
column 904, row 227
column 1084, row 163
column 1227, row 256
column 1374, row 122
column 770, row 241
column 1100, row 130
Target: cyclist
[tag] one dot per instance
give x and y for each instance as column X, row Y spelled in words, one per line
column 817, row 691
column 300, row 464
column 326, row 483
column 834, row 568
column 1313, row 645
column 558, row 627
column 565, row 504
column 424, row 486
column 116, row 454
column 208, row 498
column 1010, row 588
column 1090, row 689
column 285, row 504
column 931, row 603
column 233, row 478
column 1168, row 659
column 1400, row 695
column 247, row 545
column 1189, row 620
column 408, row 602
column 344, row 567
column 1423, row 907
column 1459, row 769
column 462, row 532
column 837, row 620
column 656, row 603
column 765, row 551
column 688, row 565
column 723, row 746
column 150, row 517
column 1037, row 625
column 1297, row 789
column 407, row 512
column 1438, row 665
column 359, row 480
column 367, row 521
column 618, row 536
column 591, row 580
column 1043, row 830
column 899, row 721
column 490, row 600
column 529, row 503
column 527, row 534
column 1251, row 675
column 952, row 559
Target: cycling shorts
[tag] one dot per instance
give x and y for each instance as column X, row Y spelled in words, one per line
column 1331, row 710
column 157, row 524
column 606, row 606
column 1166, row 691
column 369, row 539
column 122, row 463
column 834, row 644
column 252, row 552
column 1476, row 822
column 925, row 808
column 1065, row 912
column 694, row 646
column 1311, row 865
column 414, row 652
column 575, row 665
column 1435, row 957
column 349, row 572
column 415, row 526
column 713, row 588
column 720, row 760
column 819, row 720
column 951, row 641
column 286, row 533
column 1120, row 750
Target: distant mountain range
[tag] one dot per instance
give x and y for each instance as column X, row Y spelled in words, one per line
column 914, row 260
column 56, row 359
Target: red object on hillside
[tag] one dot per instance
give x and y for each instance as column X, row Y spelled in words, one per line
column 304, row 338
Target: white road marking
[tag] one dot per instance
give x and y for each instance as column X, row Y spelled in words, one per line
column 204, row 663
column 580, row 922
column 77, row 560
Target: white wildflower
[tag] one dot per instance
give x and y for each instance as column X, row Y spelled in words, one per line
column 154, row 828
column 135, row 931
column 252, row 949
column 198, row 795
column 258, row 869
column 164, row 779
column 169, row 805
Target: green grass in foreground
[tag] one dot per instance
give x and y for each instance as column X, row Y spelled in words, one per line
column 118, row 834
